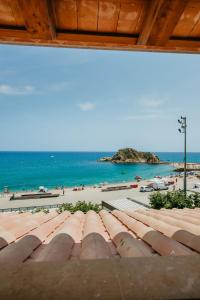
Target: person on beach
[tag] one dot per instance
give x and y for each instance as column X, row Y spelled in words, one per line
column 63, row 191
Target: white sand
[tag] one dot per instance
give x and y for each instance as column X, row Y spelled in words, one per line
column 95, row 195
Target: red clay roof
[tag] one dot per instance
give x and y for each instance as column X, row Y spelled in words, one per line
column 61, row 237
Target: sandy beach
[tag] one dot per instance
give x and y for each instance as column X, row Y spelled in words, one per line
column 95, row 195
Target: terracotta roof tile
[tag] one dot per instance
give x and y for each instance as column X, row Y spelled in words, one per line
column 21, row 250
column 159, row 242
column 127, row 245
column 95, row 238
column 177, row 233
column 11, row 230
column 191, row 219
column 183, row 212
column 60, row 237
column 171, row 219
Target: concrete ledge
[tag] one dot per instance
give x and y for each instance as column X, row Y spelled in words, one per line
column 126, row 278
column 139, row 202
column 27, row 208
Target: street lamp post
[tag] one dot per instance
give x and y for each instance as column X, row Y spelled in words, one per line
column 183, row 129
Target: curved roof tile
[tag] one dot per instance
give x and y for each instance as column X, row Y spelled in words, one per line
column 60, row 237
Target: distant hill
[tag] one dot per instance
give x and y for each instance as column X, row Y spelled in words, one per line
column 130, row 156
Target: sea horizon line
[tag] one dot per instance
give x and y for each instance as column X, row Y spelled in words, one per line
column 89, row 151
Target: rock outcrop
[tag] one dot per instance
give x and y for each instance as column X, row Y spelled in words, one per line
column 130, row 156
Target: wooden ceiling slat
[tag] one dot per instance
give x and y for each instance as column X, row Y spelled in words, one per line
column 130, row 16
column 108, row 15
column 38, row 17
column 10, row 13
column 196, row 30
column 143, row 7
column 87, row 15
column 188, row 24
column 66, row 14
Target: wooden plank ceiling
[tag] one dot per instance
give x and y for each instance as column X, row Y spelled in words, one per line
column 144, row 25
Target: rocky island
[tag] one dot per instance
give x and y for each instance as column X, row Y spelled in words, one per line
column 131, row 156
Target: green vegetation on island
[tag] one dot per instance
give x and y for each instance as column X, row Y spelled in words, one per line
column 130, row 155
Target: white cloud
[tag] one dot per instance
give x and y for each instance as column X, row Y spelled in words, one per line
column 151, row 102
column 6, row 89
column 86, row 106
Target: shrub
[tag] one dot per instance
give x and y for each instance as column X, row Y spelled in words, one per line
column 157, row 200
column 80, row 205
column 175, row 199
column 196, row 199
column 40, row 209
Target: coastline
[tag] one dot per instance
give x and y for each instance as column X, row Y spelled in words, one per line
column 89, row 194
column 178, row 165
column 95, row 185
column 26, row 171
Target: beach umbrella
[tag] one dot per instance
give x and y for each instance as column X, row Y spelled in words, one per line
column 42, row 189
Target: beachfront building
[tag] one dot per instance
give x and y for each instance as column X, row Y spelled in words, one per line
column 111, row 255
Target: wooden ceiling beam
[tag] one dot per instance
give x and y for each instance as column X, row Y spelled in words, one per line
column 149, row 20
column 39, row 18
column 161, row 18
column 169, row 15
column 77, row 40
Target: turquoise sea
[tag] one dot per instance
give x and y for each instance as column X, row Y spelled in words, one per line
column 29, row 170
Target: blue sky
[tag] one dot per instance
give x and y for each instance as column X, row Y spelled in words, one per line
column 70, row 99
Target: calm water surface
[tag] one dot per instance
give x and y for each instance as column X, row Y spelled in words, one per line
column 29, row 170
